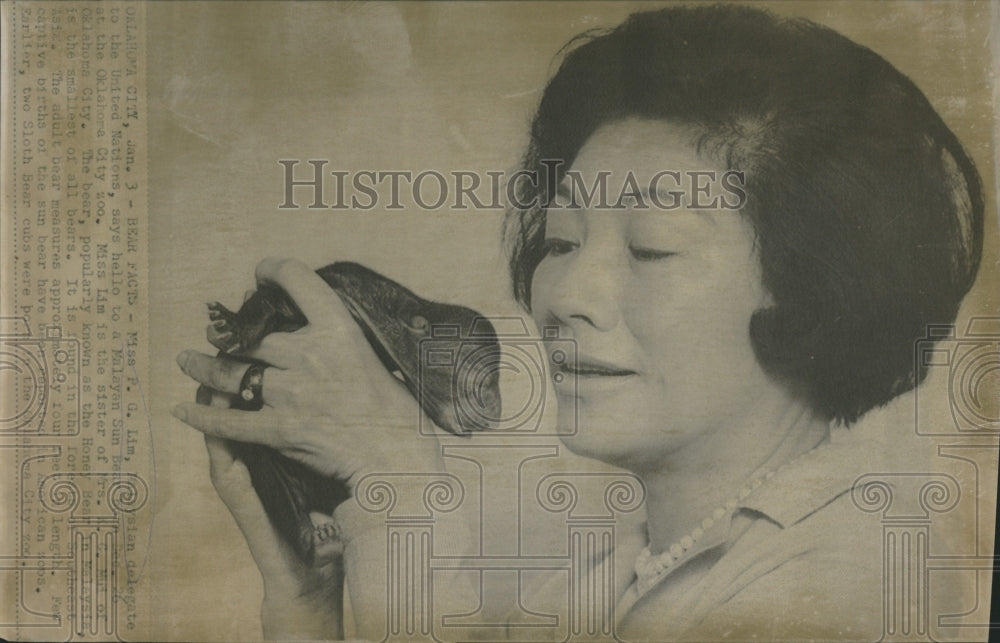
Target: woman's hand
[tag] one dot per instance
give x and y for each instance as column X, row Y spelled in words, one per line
column 329, row 403
column 300, row 602
column 328, row 400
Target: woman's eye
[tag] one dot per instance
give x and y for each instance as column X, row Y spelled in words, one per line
column 649, row 254
column 556, row 247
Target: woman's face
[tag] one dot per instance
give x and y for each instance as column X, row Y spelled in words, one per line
column 658, row 302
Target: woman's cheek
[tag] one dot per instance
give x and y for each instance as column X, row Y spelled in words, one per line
column 540, row 284
column 548, row 287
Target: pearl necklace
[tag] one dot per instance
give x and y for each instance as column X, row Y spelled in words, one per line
column 651, row 569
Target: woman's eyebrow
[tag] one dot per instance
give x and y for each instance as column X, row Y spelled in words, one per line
column 665, row 197
column 678, row 217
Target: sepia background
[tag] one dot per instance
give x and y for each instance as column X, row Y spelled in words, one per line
column 234, row 87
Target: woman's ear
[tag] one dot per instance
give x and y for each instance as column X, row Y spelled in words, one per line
column 766, row 298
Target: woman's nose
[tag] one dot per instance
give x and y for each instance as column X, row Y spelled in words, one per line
column 587, row 291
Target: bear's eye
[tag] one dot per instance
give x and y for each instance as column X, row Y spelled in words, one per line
column 418, row 322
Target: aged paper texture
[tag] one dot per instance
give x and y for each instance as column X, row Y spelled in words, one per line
column 156, row 153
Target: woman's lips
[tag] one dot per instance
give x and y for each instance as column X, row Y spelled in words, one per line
column 589, row 375
column 595, row 368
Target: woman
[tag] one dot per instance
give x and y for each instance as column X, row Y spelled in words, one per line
column 796, row 313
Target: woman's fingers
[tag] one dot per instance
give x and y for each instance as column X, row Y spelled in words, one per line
column 216, row 373
column 226, row 375
column 221, row 463
column 318, row 302
column 307, row 289
column 278, row 349
column 231, row 479
column 232, row 482
column 262, row 427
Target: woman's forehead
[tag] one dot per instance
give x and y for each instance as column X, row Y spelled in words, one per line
column 647, row 165
column 642, row 146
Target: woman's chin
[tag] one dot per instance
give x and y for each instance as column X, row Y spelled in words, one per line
column 593, row 440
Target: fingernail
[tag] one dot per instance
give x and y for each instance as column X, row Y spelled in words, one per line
column 182, row 359
column 180, row 413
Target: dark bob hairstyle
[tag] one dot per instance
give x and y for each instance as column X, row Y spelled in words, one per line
column 867, row 212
